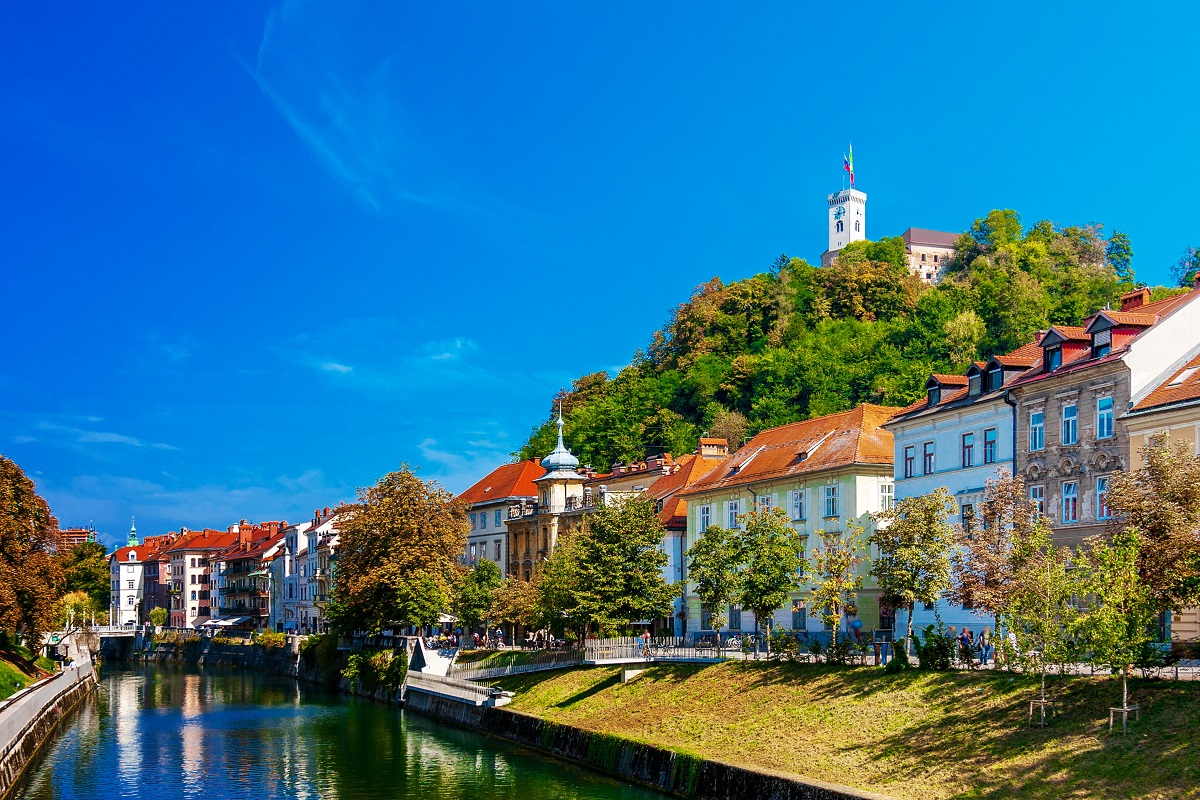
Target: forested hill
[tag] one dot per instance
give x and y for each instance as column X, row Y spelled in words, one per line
column 799, row 341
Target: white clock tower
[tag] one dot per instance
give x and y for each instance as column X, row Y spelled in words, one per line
column 847, row 221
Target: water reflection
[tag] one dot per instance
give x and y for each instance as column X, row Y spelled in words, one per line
column 178, row 732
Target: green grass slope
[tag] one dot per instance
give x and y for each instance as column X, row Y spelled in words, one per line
column 912, row 735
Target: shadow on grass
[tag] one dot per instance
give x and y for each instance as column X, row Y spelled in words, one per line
column 594, row 689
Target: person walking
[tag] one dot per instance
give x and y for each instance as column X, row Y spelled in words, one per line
column 985, row 646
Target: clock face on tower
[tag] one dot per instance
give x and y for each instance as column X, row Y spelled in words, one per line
column 839, row 212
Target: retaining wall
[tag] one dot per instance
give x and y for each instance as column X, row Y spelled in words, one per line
column 29, row 717
column 655, row 767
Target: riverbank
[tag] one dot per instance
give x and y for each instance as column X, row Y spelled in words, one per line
column 29, row 717
column 912, row 735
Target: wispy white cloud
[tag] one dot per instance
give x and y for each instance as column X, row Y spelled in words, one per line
column 333, row 366
column 77, row 435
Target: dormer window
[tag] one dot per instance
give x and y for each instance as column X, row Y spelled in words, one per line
column 995, row 378
column 1053, row 358
column 973, row 384
column 935, row 395
column 1101, row 343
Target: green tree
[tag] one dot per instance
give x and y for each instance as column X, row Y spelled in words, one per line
column 730, row 426
column 158, row 616
column 772, row 555
column 987, row 558
column 515, row 602
column 85, row 568
column 475, row 594
column 559, row 580
column 398, row 559
column 1120, row 608
column 914, row 541
column 620, row 565
column 31, row 578
column 1161, row 499
column 964, row 334
column 714, row 567
column 1184, row 270
column 1119, row 253
column 1038, row 606
column 835, row 573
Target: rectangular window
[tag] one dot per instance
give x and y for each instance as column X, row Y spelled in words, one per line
column 1102, row 509
column 764, row 503
column 497, row 518
column 1104, row 418
column 910, row 461
column 799, row 616
column 1101, row 343
column 130, row 599
column 473, row 524
column 733, row 509
column 928, row 458
column 1070, row 424
column 968, row 517
column 705, row 619
column 798, row 505
column 735, row 618
column 968, row 450
column 130, row 584
column 496, row 550
column 1037, row 497
column 1037, row 432
column 990, row 444
column 483, row 521
column 705, row 518
column 1070, row 501
column 887, row 496
column 831, row 501
column 1053, row 358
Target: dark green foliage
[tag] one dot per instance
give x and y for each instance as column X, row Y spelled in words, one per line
column 799, row 341
column 899, row 659
column 936, row 651
column 86, row 569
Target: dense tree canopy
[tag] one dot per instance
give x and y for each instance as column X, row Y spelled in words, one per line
column 798, row 341
column 398, row 560
column 85, row 567
column 31, row 578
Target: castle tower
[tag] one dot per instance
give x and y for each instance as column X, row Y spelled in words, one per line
column 847, row 221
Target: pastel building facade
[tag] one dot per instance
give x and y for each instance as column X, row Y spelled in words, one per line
column 487, row 504
column 825, row 473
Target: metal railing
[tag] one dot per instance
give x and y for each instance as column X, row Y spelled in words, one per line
column 517, row 662
column 454, row 687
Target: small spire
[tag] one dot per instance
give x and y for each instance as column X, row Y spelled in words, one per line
column 133, row 539
column 561, row 446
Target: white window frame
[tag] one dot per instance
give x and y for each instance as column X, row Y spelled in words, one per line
column 887, row 496
column 733, row 510
column 1037, row 496
column 798, row 509
column 764, row 502
column 705, row 517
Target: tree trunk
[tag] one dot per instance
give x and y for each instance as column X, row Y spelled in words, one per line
column 912, row 607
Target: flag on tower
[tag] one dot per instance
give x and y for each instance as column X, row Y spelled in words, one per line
column 848, row 165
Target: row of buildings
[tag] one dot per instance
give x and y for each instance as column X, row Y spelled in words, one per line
column 269, row 575
column 1065, row 412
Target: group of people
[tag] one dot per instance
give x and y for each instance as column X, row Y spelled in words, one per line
column 971, row 646
column 442, row 641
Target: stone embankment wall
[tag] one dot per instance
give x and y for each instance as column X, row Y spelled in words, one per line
column 667, row 771
column 29, row 717
column 286, row 661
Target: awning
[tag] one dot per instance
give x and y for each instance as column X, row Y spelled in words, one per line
column 447, row 619
column 290, row 625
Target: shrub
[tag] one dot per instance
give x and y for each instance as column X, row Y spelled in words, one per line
column 937, row 651
column 272, row 640
column 899, row 660
column 221, row 638
column 320, row 652
column 784, row 645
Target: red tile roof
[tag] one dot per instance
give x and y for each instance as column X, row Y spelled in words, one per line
column 510, row 480
column 1182, row 386
column 1137, row 318
column 835, row 440
column 688, row 470
column 1072, row 333
column 207, row 539
column 1024, row 356
column 952, row 380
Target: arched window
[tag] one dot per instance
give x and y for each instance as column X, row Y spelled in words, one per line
column 838, row 227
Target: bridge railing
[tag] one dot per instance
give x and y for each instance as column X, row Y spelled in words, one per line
column 517, row 662
column 450, row 686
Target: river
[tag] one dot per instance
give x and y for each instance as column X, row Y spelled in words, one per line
column 166, row 732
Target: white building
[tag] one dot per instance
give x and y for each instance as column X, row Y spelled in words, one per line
column 487, row 509
column 309, row 614
column 847, row 221
column 958, row 437
column 125, row 574
column 825, row 473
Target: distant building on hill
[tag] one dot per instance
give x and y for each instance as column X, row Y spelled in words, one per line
column 70, row 538
column 927, row 251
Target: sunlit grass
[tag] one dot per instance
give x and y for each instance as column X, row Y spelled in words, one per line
column 912, row 735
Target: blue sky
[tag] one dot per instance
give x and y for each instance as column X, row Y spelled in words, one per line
column 256, row 255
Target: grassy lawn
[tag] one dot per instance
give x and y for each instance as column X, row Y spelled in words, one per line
column 18, row 669
column 912, row 735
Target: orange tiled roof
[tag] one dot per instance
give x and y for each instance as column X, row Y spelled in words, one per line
column 1072, row 333
column 1138, row 318
column 952, row 380
column 207, row 539
column 1183, row 385
column 1024, row 356
column 688, row 470
column 835, row 440
column 510, row 480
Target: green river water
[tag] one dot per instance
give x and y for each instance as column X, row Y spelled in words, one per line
column 166, row 732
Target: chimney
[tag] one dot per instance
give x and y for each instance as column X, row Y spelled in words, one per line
column 327, row 511
column 1135, row 299
column 537, row 461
